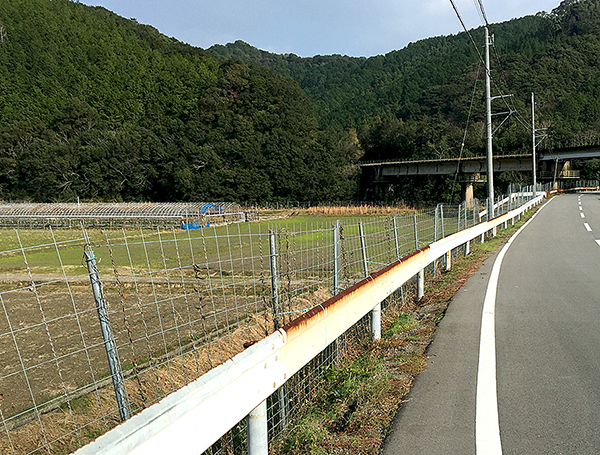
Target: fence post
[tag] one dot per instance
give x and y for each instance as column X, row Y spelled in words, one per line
column 336, row 241
column 442, row 219
column 396, row 239
column 276, row 326
column 416, row 233
column 363, row 248
column 258, row 437
column 274, row 290
column 109, row 340
column 458, row 217
column 376, row 311
column 435, row 224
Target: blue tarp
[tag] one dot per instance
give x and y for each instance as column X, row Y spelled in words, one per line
column 192, row 226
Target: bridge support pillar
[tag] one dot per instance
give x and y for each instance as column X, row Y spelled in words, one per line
column 469, row 195
column 468, row 181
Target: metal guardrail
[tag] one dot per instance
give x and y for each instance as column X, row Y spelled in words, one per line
column 243, row 383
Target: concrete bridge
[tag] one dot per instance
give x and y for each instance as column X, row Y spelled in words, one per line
column 552, row 165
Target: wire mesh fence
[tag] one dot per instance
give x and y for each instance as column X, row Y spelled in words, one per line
column 98, row 324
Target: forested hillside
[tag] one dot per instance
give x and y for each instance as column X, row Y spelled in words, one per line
column 99, row 107
column 414, row 103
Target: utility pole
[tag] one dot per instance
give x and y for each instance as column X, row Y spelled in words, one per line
column 534, row 139
column 488, row 107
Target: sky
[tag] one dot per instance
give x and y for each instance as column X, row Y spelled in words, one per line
column 316, row 27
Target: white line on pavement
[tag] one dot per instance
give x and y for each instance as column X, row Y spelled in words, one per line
column 582, row 215
column 487, row 425
column 598, row 242
column 587, row 226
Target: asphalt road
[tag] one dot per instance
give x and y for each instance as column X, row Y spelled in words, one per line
column 547, row 320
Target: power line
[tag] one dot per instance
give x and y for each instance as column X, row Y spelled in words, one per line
column 483, row 12
column 462, row 146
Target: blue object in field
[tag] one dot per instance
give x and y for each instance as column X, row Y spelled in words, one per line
column 206, row 207
column 192, row 226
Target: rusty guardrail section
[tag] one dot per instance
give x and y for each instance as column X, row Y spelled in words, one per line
column 193, row 418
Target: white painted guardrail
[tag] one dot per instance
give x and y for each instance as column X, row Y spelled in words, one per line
column 193, row 418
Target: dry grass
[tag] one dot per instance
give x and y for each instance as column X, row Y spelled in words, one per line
column 94, row 413
column 359, row 210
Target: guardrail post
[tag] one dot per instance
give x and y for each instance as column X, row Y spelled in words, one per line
column 421, row 284
column 336, row 254
column 467, row 248
column 258, row 437
column 448, row 260
column 274, row 288
column 109, row 340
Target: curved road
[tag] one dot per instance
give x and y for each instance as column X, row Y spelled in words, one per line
column 547, row 345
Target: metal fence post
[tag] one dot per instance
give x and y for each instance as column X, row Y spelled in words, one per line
column 109, row 340
column 376, row 311
column 416, row 233
column 276, row 321
column 396, row 239
column 458, row 218
column 258, row 437
column 435, row 235
column 274, row 289
column 336, row 254
column 435, row 224
column 442, row 219
column 363, row 248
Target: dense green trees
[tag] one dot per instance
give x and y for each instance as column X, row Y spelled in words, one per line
column 414, row 103
column 96, row 106
column 99, row 107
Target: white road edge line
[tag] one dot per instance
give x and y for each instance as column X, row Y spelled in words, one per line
column 487, row 425
column 582, row 215
column 598, row 242
column 587, row 226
